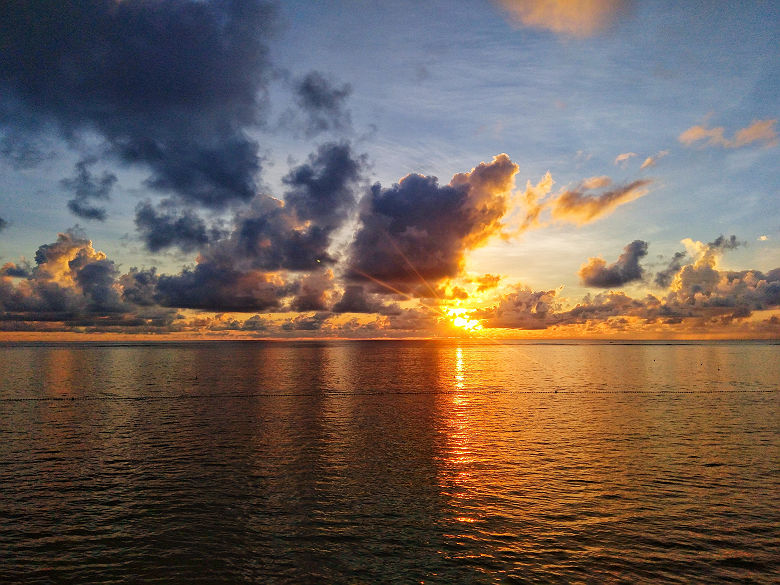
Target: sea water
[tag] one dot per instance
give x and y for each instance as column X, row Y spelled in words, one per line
column 390, row 462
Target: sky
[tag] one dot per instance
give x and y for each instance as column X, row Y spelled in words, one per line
column 506, row 169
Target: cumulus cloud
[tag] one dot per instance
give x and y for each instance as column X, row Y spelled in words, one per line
column 75, row 284
column 577, row 18
column 621, row 158
column 663, row 278
column 522, row 308
column 295, row 234
column 760, row 131
column 418, row 231
column 243, row 271
column 626, row 269
column 172, row 87
column 697, row 294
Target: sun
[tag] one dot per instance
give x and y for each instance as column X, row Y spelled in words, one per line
column 460, row 319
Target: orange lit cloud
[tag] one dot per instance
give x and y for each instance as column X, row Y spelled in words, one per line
column 579, row 206
column 650, row 161
column 621, row 158
column 760, row 131
column 577, row 18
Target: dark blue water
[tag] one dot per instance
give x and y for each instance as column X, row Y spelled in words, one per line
column 389, row 462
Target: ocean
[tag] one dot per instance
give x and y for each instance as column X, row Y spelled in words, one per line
column 369, row 462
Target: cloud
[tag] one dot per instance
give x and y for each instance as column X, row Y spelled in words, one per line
column 579, row 206
column 522, row 308
column 86, row 187
column 577, row 18
column 76, row 285
column 621, row 158
column 244, row 270
column 305, row 322
column 221, row 287
column 710, row 253
column 419, row 231
column 760, row 131
column 356, row 300
column 487, row 282
column 21, row 270
column 323, row 102
column 534, row 201
column 698, row 295
column 295, row 234
column 3, row 224
column 173, row 87
column 626, row 269
column 168, row 226
column 312, row 294
column 651, row 161
column 576, row 205
column 663, row 278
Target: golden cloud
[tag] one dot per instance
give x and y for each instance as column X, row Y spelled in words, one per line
column 760, row 131
column 577, row 18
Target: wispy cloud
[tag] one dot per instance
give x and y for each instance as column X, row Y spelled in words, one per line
column 650, row 161
column 579, row 206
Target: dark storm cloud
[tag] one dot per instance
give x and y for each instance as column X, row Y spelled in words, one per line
column 173, row 86
column 417, row 230
column 663, row 278
column 322, row 189
column 235, row 273
column 214, row 287
column 167, row 226
column 85, row 186
column 3, row 224
column 296, row 234
column 626, row 269
column 323, row 103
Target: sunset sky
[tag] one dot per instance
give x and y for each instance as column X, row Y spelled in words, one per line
column 389, row 169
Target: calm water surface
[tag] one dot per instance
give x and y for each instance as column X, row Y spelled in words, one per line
column 390, row 462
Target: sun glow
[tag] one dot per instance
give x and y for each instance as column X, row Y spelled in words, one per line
column 460, row 319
